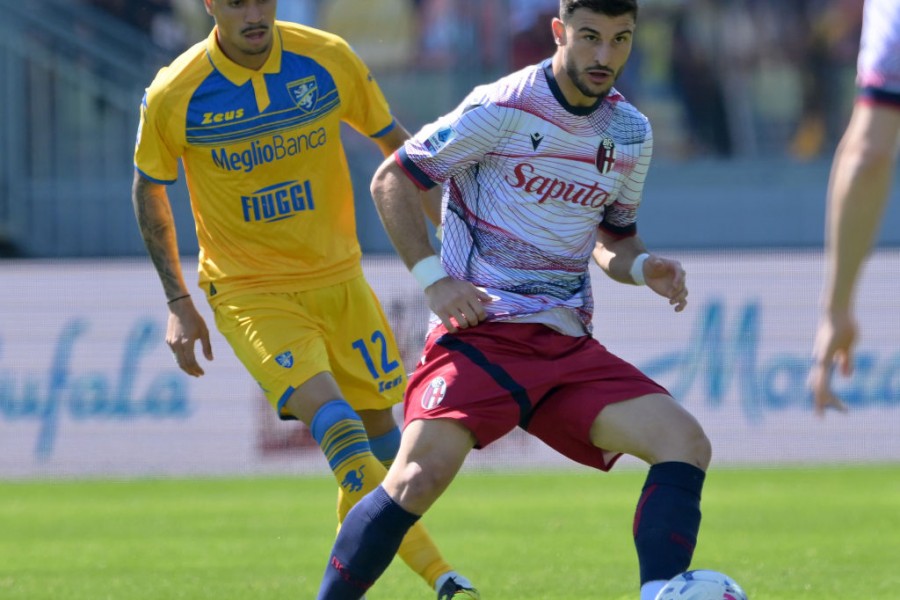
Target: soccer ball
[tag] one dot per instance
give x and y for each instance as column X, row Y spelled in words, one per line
column 701, row 584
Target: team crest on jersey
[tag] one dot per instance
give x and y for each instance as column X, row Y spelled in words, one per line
column 606, row 156
column 439, row 139
column 285, row 359
column 304, row 92
column 434, row 393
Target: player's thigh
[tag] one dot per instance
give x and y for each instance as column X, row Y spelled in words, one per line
column 653, row 427
column 588, row 383
column 362, row 351
column 432, row 451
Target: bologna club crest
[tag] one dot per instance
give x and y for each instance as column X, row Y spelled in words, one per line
column 434, row 393
column 606, row 156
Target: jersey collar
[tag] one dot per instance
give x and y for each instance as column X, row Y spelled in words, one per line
column 613, row 95
column 234, row 72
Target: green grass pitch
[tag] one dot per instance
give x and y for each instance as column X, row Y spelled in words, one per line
column 784, row 534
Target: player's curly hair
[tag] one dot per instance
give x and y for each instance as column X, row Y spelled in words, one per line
column 612, row 8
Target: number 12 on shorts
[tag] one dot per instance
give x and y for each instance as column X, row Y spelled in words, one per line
column 380, row 345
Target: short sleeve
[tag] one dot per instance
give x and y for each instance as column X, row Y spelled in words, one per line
column 454, row 143
column 621, row 216
column 156, row 153
column 367, row 110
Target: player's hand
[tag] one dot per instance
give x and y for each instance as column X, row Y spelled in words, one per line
column 833, row 347
column 667, row 278
column 458, row 304
column 185, row 327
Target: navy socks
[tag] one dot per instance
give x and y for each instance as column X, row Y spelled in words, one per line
column 365, row 546
column 667, row 520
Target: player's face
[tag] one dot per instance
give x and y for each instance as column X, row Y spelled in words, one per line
column 593, row 49
column 244, row 29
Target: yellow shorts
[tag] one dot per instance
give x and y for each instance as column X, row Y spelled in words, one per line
column 284, row 339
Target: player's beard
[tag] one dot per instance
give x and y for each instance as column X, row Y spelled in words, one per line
column 251, row 50
column 257, row 51
column 582, row 84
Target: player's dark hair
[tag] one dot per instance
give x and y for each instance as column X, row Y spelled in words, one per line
column 612, row 8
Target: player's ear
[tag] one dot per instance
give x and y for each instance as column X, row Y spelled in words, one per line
column 559, row 32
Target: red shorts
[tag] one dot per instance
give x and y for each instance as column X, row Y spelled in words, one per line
column 496, row 376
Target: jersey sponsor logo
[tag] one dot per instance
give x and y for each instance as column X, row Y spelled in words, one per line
column 434, row 393
column 304, row 92
column 285, row 359
column 546, row 187
column 278, row 202
column 211, row 118
column 536, row 139
column 262, row 152
column 606, row 156
column 438, row 140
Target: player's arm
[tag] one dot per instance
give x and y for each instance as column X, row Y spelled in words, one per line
column 157, row 227
column 857, row 196
column 400, row 204
column 626, row 260
column 430, row 201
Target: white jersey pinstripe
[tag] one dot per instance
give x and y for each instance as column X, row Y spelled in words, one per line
column 879, row 55
column 527, row 179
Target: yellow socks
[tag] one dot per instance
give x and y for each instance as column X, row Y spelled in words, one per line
column 342, row 437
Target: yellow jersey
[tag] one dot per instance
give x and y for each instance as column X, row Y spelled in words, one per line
column 269, row 183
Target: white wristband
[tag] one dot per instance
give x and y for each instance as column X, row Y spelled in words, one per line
column 637, row 269
column 428, row 270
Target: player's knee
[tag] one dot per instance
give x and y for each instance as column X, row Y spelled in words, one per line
column 701, row 448
column 416, row 487
column 686, row 442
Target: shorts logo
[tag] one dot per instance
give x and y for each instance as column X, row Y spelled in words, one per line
column 434, row 393
column 606, row 156
column 285, row 359
column 304, row 92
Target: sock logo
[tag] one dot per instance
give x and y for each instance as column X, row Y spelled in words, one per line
column 353, row 480
column 434, row 393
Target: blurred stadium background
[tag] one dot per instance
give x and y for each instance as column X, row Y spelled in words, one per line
column 747, row 99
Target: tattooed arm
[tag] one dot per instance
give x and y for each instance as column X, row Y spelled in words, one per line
column 157, row 226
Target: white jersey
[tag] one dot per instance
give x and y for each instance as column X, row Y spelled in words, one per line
column 527, row 180
column 878, row 66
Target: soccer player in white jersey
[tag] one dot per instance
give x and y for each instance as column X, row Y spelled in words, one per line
column 858, row 190
column 540, row 171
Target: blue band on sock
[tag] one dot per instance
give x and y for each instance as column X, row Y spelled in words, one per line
column 331, row 412
column 340, row 433
column 385, row 447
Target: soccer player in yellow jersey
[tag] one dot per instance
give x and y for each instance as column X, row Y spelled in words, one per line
column 253, row 113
